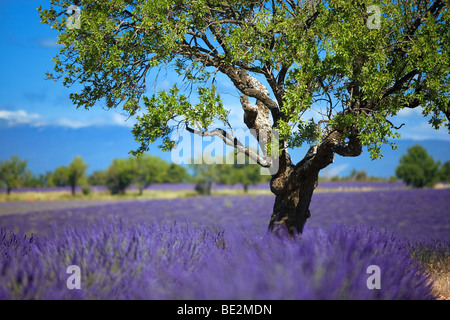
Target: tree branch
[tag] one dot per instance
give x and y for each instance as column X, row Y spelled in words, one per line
column 230, row 140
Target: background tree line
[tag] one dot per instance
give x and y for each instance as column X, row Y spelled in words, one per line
column 140, row 171
column 236, row 168
column 416, row 168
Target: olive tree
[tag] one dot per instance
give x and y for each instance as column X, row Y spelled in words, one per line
column 76, row 173
column 148, row 170
column 417, row 168
column 356, row 64
column 13, row 173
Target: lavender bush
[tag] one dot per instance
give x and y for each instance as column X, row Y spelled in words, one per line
column 170, row 261
column 217, row 248
column 410, row 214
column 262, row 186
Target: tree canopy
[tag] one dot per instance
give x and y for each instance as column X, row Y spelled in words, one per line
column 76, row 173
column 354, row 64
column 148, row 170
column 311, row 53
column 444, row 172
column 13, row 173
column 417, row 168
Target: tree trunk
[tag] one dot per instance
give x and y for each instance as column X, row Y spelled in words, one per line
column 209, row 187
column 73, row 189
column 8, row 191
column 291, row 208
column 294, row 186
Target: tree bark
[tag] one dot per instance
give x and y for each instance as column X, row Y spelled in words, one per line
column 293, row 189
column 294, row 186
column 291, row 208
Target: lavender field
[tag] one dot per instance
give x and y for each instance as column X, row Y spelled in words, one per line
column 327, row 185
column 217, row 247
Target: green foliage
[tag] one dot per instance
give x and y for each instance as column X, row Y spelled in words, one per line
column 33, row 181
column 148, row 170
column 417, row 168
column 444, row 172
column 204, row 175
column 358, row 175
column 315, row 55
column 241, row 170
column 97, row 178
column 168, row 108
column 76, row 173
column 142, row 170
column 60, row 177
column 73, row 175
column 177, row 173
column 13, row 173
column 119, row 176
column 234, row 168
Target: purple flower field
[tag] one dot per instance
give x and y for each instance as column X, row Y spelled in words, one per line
column 217, row 248
column 261, row 186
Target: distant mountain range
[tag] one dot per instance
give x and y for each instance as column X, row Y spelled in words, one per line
column 48, row 147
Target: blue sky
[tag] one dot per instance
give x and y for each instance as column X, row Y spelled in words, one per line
column 27, row 99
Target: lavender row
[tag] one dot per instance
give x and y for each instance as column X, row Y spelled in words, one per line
column 218, row 248
column 415, row 214
column 171, row 261
column 261, row 186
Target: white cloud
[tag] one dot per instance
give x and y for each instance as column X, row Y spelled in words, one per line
column 49, row 43
column 409, row 112
column 122, row 120
column 20, row 117
column 109, row 119
column 424, row 131
column 69, row 123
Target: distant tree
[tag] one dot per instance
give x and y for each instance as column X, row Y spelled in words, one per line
column 204, row 178
column 444, row 172
column 30, row 180
column 59, row 177
column 241, row 171
column 177, row 173
column 33, row 181
column 76, row 173
column 13, row 173
column 358, row 175
column 119, row 176
column 97, row 178
column 417, row 168
column 234, row 168
column 147, row 170
column 247, row 175
column 43, row 179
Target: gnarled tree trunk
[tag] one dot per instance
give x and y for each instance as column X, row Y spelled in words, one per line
column 294, row 186
column 291, row 208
